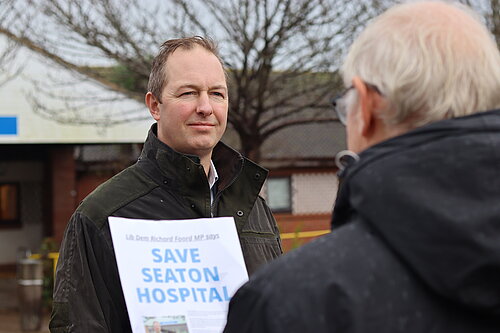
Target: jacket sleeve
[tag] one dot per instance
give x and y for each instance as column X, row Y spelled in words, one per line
column 271, row 218
column 247, row 312
column 259, row 237
column 87, row 293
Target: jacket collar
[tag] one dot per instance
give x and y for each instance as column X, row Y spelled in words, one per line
column 185, row 171
column 432, row 195
column 486, row 121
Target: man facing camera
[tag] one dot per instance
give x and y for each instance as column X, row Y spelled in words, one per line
column 415, row 245
column 183, row 172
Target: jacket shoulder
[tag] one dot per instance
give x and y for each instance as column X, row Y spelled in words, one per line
column 115, row 193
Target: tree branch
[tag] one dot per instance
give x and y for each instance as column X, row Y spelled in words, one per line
column 81, row 70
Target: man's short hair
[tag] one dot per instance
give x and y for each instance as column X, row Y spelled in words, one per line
column 157, row 78
column 430, row 65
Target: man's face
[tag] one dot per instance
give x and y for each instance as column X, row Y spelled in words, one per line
column 192, row 115
column 354, row 142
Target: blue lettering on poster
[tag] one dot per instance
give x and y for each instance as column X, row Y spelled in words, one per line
column 175, row 278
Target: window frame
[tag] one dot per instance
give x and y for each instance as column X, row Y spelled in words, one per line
column 284, row 210
column 16, row 222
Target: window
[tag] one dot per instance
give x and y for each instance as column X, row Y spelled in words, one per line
column 278, row 194
column 9, row 205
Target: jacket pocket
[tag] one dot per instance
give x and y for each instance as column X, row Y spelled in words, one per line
column 260, row 221
column 259, row 237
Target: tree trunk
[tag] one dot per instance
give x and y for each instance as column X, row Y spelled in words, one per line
column 251, row 148
column 253, row 154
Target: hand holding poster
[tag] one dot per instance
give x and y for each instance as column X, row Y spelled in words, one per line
column 178, row 276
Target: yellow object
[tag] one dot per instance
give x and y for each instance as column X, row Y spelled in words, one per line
column 52, row 255
column 304, row 234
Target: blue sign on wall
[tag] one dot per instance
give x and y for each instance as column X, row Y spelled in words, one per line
column 8, row 125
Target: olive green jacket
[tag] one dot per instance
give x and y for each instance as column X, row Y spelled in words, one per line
column 163, row 184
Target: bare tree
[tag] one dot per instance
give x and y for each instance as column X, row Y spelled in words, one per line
column 490, row 10
column 90, row 36
column 282, row 55
column 9, row 69
column 102, row 42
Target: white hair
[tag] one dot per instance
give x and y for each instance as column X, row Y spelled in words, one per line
column 430, row 60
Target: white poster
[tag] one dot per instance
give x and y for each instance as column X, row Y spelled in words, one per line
column 178, row 276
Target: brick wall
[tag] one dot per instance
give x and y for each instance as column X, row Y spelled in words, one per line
column 297, row 230
column 63, row 183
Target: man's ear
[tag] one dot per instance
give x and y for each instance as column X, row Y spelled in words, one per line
column 153, row 105
column 367, row 108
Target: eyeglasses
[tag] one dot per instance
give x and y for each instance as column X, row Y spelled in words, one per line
column 340, row 105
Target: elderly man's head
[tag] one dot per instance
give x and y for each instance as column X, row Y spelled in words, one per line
column 415, row 64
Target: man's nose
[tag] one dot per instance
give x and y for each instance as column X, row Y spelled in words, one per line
column 204, row 107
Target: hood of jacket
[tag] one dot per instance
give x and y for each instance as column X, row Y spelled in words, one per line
column 433, row 196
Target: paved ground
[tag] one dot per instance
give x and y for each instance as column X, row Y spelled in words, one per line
column 10, row 322
column 9, row 309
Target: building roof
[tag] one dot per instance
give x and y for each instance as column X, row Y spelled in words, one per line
column 310, row 141
column 306, row 145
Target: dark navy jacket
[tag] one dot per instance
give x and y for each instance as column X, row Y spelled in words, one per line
column 415, row 245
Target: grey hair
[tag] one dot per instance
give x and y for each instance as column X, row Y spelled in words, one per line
column 428, row 66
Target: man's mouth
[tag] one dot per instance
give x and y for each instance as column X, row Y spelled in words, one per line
column 201, row 125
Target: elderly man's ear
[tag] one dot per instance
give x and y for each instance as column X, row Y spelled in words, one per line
column 367, row 105
column 370, row 125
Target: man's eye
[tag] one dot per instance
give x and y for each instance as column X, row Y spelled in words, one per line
column 188, row 93
column 218, row 94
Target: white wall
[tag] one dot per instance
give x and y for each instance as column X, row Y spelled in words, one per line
column 313, row 193
column 29, row 175
column 43, row 84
